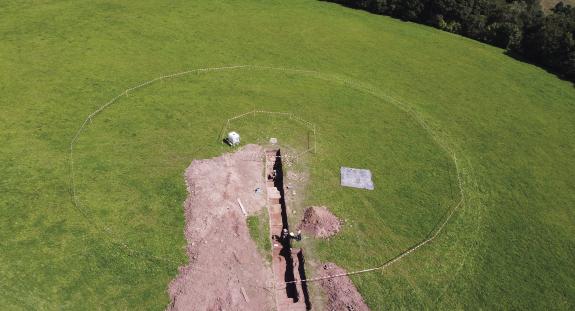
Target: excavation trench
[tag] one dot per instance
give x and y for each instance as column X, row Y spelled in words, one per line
column 287, row 262
column 225, row 270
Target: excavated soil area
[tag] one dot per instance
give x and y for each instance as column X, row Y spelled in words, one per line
column 225, row 270
column 319, row 222
column 340, row 291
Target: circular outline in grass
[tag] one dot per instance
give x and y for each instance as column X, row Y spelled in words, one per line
column 357, row 85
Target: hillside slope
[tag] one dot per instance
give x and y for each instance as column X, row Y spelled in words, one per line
column 511, row 124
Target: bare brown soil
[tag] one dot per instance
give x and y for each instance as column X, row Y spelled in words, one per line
column 319, row 222
column 340, row 291
column 225, row 271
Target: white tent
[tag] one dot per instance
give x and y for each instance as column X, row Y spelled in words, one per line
column 233, row 138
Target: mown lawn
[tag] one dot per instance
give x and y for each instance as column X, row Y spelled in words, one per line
column 511, row 126
column 259, row 228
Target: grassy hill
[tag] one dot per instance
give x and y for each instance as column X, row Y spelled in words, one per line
column 511, row 126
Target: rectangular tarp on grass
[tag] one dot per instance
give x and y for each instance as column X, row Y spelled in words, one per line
column 356, row 178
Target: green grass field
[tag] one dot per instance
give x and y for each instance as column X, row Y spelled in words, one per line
column 511, row 126
column 259, row 228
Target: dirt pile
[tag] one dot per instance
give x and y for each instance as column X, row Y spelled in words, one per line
column 225, row 270
column 319, row 222
column 340, row 291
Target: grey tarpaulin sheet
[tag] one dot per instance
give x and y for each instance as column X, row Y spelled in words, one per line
column 356, row 178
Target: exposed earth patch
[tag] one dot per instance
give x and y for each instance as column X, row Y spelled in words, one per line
column 319, row 222
column 225, row 269
column 340, row 291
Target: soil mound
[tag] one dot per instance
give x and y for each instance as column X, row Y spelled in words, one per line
column 319, row 222
column 340, row 291
column 225, row 270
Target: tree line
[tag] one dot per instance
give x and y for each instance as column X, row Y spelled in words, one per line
column 520, row 26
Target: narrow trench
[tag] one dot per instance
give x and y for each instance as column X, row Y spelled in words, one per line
column 286, row 251
column 301, row 269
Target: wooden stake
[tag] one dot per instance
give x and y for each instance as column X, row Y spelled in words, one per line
column 314, row 141
column 242, row 207
column 245, row 295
